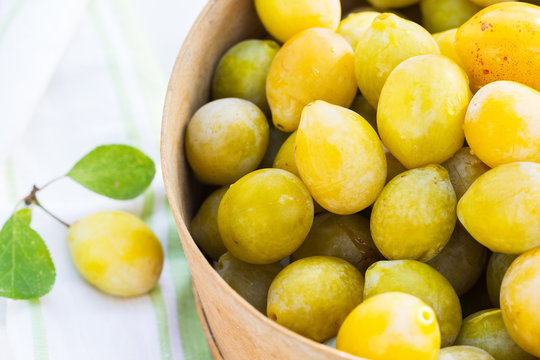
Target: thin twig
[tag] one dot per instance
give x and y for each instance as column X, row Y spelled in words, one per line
column 52, row 215
column 50, row 182
column 28, row 199
column 31, row 199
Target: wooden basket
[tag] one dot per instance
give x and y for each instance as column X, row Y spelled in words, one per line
column 234, row 329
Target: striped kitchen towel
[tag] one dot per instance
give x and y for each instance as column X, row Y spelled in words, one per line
column 75, row 74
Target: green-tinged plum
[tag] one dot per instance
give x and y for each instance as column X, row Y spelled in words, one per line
column 393, row 166
column 361, row 106
column 421, row 110
column 265, row 216
column 250, row 281
column 477, row 298
column 415, row 214
column 485, row 330
column 461, row 261
column 225, row 140
column 464, row 168
column 441, row 15
column 312, row 296
column 392, row 4
column 316, row 64
column 343, row 236
column 497, row 266
column 204, row 227
column 275, row 141
column 242, row 71
column 463, row 353
column 421, row 280
column 340, row 158
column 485, row 3
column 389, row 41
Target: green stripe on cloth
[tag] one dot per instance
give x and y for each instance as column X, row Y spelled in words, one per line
column 12, row 13
column 39, row 332
column 116, row 77
column 152, row 84
column 156, row 296
column 193, row 339
column 148, row 206
column 162, row 324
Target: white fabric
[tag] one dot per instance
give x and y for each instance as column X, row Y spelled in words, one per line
column 75, row 74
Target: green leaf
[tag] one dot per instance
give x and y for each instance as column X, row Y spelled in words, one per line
column 117, row 171
column 26, row 267
column 25, row 214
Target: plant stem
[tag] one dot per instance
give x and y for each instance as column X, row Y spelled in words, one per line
column 52, row 215
column 50, row 182
column 32, row 199
column 28, row 199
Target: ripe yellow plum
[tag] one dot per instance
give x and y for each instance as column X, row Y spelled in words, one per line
column 389, row 41
column 285, row 158
column 354, row 26
column 265, row 216
column 520, row 301
column 502, row 42
column 391, row 326
column 283, row 19
column 316, row 64
column 340, row 158
column 421, row 280
column 502, row 123
column 415, row 214
column 225, row 140
column 501, row 209
column 312, row 296
column 116, row 252
column 421, row 110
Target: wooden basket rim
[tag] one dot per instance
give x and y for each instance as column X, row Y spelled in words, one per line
column 176, row 206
